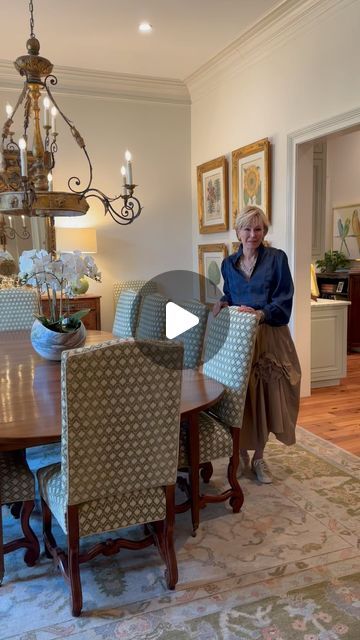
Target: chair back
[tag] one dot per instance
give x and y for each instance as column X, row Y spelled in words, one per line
column 144, row 286
column 120, row 418
column 193, row 339
column 17, row 309
column 229, row 348
column 126, row 314
column 152, row 318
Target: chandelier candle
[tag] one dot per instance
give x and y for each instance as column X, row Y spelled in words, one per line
column 129, row 167
column 46, row 104
column 23, row 157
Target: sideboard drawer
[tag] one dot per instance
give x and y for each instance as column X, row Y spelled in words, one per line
column 92, row 319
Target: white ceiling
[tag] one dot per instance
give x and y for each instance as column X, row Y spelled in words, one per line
column 102, row 34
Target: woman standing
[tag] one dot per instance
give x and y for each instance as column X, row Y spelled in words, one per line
column 257, row 279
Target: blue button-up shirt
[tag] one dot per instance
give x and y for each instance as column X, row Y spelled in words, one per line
column 269, row 289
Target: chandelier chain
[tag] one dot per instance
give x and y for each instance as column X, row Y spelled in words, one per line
column 31, row 9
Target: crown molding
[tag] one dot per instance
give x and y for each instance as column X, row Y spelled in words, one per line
column 276, row 28
column 105, row 85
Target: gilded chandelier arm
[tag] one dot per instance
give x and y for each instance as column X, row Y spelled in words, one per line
column 130, row 210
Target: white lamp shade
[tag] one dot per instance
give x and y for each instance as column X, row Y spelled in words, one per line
column 70, row 239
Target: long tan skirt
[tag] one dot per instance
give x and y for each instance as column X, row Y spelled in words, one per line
column 273, row 396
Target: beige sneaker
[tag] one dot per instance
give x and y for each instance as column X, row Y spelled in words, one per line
column 261, row 470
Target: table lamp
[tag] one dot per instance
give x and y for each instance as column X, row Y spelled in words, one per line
column 70, row 239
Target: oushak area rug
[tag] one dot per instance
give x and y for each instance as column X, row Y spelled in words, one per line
column 286, row 568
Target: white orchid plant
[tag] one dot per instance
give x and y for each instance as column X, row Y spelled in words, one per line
column 54, row 276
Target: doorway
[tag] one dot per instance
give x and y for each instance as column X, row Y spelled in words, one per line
column 299, row 224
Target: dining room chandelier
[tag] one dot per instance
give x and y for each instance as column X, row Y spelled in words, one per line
column 27, row 164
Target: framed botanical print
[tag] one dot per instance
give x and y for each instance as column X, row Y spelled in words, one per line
column 213, row 196
column 251, row 177
column 211, row 281
column 346, row 234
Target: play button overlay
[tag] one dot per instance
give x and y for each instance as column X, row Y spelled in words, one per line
column 179, row 308
column 178, row 320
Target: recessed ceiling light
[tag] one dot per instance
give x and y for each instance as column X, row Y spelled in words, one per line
column 145, row 27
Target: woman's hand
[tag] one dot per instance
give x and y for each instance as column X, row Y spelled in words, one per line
column 218, row 306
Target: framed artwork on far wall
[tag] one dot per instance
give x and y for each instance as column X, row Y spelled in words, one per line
column 211, row 282
column 346, row 234
column 213, row 195
column 251, row 177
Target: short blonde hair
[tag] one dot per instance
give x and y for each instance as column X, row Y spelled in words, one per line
column 248, row 214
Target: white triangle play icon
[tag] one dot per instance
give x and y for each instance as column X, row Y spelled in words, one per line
column 178, row 320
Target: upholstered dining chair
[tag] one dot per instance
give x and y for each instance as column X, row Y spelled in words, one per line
column 143, row 286
column 17, row 484
column 126, row 314
column 119, row 452
column 193, row 339
column 17, row 308
column 229, row 347
column 152, row 318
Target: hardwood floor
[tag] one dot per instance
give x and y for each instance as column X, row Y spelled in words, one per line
column 333, row 413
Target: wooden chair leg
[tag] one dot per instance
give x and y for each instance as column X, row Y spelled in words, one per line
column 73, row 560
column 29, row 540
column 206, row 471
column 237, row 499
column 170, row 555
column 49, row 540
column 163, row 534
column 33, row 548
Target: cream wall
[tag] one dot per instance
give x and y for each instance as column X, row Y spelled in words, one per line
column 282, row 80
column 158, row 135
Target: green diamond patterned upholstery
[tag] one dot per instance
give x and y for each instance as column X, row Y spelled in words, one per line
column 145, row 286
column 120, row 434
column 215, row 441
column 126, row 314
column 152, row 318
column 231, row 364
column 17, row 483
column 17, row 309
column 193, row 339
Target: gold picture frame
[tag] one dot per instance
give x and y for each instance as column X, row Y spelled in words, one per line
column 213, row 195
column 251, row 177
column 211, row 281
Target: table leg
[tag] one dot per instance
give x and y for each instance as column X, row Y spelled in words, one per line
column 194, row 470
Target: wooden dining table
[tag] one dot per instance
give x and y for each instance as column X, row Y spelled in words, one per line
column 30, row 411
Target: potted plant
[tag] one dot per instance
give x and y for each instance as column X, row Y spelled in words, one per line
column 332, row 261
column 54, row 277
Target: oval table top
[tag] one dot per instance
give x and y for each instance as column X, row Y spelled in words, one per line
column 30, row 392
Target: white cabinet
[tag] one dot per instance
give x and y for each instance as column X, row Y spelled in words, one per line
column 328, row 341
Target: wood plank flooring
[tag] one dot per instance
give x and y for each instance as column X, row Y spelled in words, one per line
column 333, row 413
